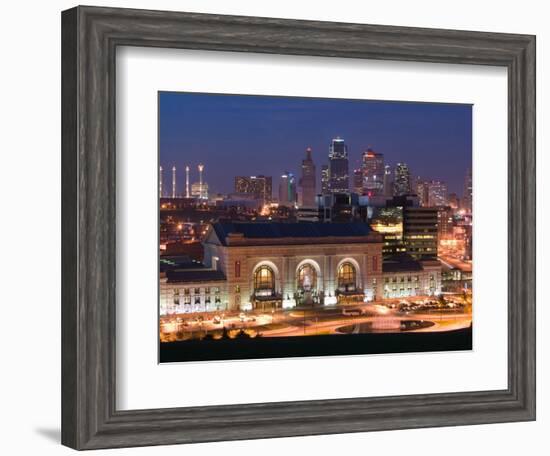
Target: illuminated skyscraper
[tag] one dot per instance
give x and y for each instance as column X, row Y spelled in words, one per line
column 325, row 178
column 260, row 187
column 467, row 197
column 402, row 180
column 437, row 193
column 338, row 166
column 373, row 172
column 307, row 181
column 287, row 190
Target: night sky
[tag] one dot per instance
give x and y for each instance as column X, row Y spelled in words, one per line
column 251, row 135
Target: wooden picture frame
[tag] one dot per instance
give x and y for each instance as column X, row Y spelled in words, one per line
column 90, row 36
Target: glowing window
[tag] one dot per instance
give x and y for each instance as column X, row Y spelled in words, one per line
column 264, row 281
column 307, row 277
column 346, row 277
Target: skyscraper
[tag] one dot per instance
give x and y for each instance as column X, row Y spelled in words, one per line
column 437, row 193
column 287, row 190
column 357, row 185
column 467, row 196
column 325, row 178
column 422, row 190
column 402, row 180
column 388, row 182
column 307, row 181
column 373, row 172
column 338, row 166
column 258, row 186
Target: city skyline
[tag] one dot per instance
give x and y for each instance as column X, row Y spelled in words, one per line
column 427, row 129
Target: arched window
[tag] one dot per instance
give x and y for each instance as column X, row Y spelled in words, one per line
column 346, row 277
column 307, row 278
column 264, row 281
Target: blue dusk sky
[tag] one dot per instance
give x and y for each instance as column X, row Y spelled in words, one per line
column 236, row 135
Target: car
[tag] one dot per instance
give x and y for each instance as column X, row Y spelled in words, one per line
column 216, row 320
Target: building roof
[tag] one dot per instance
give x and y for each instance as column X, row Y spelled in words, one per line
column 401, row 262
column 278, row 230
column 194, row 275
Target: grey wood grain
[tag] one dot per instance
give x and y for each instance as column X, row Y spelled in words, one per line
column 90, row 36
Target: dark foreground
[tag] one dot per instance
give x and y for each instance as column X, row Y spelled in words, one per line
column 284, row 347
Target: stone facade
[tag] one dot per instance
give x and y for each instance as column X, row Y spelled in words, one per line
column 283, row 272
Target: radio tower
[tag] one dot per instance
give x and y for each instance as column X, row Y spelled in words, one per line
column 173, row 181
column 201, row 167
column 187, row 181
column 160, row 182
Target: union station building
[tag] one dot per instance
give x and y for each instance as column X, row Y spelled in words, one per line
column 268, row 266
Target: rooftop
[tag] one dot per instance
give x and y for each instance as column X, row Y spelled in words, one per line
column 194, row 275
column 402, row 262
column 282, row 231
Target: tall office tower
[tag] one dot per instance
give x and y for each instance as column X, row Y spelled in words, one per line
column 373, row 172
column 388, row 182
column 420, row 231
column 173, row 181
column 454, row 201
column 187, row 194
column 160, row 182
column 357, row 185
column 467, row 196
column 401, row 180
column 422, row 191
column 287, row 190
column 325, row 179
column 437, row 193
column 259, row 187
column 338, row 167
column 308, row 182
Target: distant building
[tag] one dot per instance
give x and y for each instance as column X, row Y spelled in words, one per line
column 258, row 186
column 372, row 166
column 388, row 182
column 422, row 191
column 454, row 201
column 467, row 196
column 402, row 180
column 325, row 177
column 431, row 193
column 308, row 181
column 287, row 190
column 437, row 193
column 445, row 225
column 199, row 190
column 338, row 166
column 357, row 186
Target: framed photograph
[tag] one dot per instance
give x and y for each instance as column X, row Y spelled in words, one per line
column 279, row 228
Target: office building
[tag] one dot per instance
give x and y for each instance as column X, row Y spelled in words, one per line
column 259, row 187
column 287, row 190
column 308, row 182
column 338, row 166
column 372, row 165
column 402, row 180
